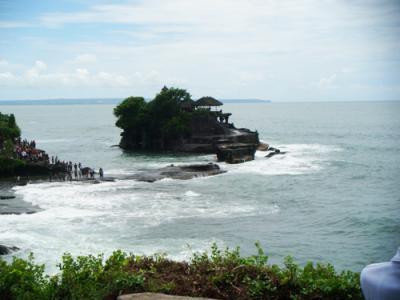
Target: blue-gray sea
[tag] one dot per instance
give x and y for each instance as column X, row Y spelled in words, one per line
column 333, row 197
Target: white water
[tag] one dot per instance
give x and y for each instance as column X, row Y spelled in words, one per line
column 332, row 197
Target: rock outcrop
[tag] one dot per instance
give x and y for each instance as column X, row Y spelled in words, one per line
column 173, row 122
column 183, row 172
column 274, row 151
column 235, row 153
column 208, row 135
column 157, row 296
column 263, row 147
column 4, row 250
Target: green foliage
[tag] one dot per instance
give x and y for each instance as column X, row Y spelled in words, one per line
column 22, row 279
column 9, row 131
column 9, row 165
column 8, row 127
column 222, row 274
column 162, row 118
column 89, row 277
column 8, row 148
column 131, row 113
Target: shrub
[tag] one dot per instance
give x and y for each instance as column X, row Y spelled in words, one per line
column 222, row 274
column 22, row 279
column 9, row 165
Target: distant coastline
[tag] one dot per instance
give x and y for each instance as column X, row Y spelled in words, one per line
column 97, row 101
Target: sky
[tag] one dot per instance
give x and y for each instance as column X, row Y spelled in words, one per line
column 305, row 50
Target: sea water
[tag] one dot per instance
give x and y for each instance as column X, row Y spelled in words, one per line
column 333, row 197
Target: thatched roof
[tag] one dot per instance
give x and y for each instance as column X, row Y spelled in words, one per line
column 208, row 101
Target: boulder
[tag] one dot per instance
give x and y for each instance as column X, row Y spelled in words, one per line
column 236, row 153
column 7, row 250
column 156, row 296
column 274, row 152
column 6, row 197
column 262, row 147
column 177, row 172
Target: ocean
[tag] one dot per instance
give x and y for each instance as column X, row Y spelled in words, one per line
column 334, row 197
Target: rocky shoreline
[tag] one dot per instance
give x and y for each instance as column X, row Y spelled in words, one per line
column 182, row 172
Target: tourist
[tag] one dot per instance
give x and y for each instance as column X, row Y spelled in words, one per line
column 381, row 281
column 101, row 173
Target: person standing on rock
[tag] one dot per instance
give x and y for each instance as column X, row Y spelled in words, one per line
column 101, row 173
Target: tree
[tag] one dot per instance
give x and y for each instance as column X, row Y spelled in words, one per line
column 155, row 123
column 8, row 127
column 165, row 110
column 131, row 113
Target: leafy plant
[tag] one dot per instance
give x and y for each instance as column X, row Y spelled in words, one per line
column 221, row 274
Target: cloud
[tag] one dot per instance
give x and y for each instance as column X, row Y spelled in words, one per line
column 38, row 76
column 348, row 70
column 12, row 24
column 327, row 82
column 4, row 65
column 6, row 76
column 233, row 48
column 85, row 59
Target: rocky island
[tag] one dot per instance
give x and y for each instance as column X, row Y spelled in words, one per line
column 172, row 121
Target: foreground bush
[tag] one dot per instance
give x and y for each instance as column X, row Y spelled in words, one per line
column 221, row 274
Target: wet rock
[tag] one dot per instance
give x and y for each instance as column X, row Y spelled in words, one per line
column 274, row 152
column 7, row 250
column 184, row 172
column 263, row 147
column 236, row 153
column 6, row 197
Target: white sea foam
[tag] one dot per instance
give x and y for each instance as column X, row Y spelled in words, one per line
column 191, row 194
column 298, row 159
column 83, row 218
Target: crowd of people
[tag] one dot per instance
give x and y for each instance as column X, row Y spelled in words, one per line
column 74, row 170
column 26, row 150
column 63, row 170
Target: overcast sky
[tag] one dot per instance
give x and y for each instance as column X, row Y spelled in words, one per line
column 312, row 50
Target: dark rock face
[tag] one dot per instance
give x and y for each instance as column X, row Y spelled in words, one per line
column 236, row 153
column 178, row 172
column 274, row 151
column 7, row 250
column 208, row 135
column 7, row 197
column 40, row 168
column 262, row 147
